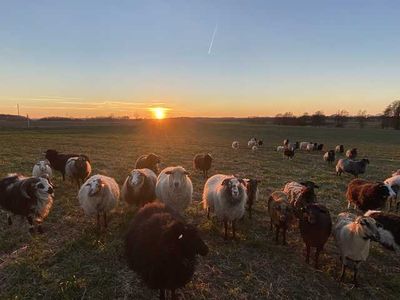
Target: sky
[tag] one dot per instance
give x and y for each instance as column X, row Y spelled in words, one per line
column 198, row 58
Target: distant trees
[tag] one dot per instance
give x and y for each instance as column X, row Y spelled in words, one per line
column 341, row 117
column 318, row 118
column 391, row 115
column 361, row 118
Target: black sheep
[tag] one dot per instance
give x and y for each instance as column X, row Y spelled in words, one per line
column 59, row 160
column 252, row 193
column 203, row 163
column 162, row 249
column 320, row 147
column 315, row 226
column 289, row 153
column 329, row 156
column 29, row 197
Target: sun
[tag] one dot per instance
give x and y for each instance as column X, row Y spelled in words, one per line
column 158, row 112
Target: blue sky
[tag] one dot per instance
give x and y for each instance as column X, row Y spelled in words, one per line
column 86, row 58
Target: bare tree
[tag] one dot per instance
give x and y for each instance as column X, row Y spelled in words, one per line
column 362, row 118
column 391, row 115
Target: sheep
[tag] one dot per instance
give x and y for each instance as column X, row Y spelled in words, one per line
column 260, row 143
column 99, row 195
column 226, row 196
column 351, row 153
column 29, row 197
column 252, row 193
column 366, row 195
column 354, row 167
column 329, row 156
column 315, row 228
column 320, row 147
column 394, row 173
column 394, row 183
column 280, row 148
column 161, row 248
column 203, row 162
column 390, row 230
column 304, row 145
column 310, row 147
column 281, row 214
column 251, row 143
column 235, row 145
column 149, row 161
column 139, row 187
column 291, row 146
column 42, row 168
column 353, row 235
column 286, row 142
column 58, row 160
column 175, row 188
column 300, row 194
column 289, row 153
column 339, row 148
column 254, row 148
column 78, row 169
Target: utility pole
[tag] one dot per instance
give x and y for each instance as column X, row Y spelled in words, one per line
column 18, row 109
column 27, row 119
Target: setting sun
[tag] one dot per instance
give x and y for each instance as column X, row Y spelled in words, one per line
column 158, row 112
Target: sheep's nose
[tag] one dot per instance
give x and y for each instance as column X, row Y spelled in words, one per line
column 176, row 184
column 50, row 190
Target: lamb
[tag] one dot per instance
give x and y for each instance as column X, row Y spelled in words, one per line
column 329, row 156
column 390, row 230
column 161, row 248
column 78, row 169
column 139, row 187
column 339, row 148
column 353, row 235
column 252, row 193
column 235, row 145
column 394, row 183
column 203, row 162
column 42, row 168
column 226, row 196
column 281, row 214
column 366, row 195
column 149, row 161
column 175, row 188
column 58, row 160
column 99, row 195
column 351, row 153
column 300, row 194
column 29, row 197
column 354, row 167
column 289, row 153
column 315, row 228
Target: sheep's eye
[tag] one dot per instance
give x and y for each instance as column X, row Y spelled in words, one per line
column 180, row 237
column 40, row 186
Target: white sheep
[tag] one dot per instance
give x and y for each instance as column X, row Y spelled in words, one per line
column 303, row 145
column 139, row 187
column 353, row 235
column 235, row 145
column 226, row 196
column 310, row 147
column 99, row 195
column 254, row 148
column 393, row 184
column 42, row 168
column 280, row 148
column 175, row 188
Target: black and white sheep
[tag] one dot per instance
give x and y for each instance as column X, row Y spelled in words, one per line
column 161, row 248
column 203, row 163
column 29, row 197
column 339, row 148
column 78, row 169
column 42, row 168
column 366, row 195
column 252, row 142
column 98, row 196
column 354, row 167
column 390, row 230
column 329, row 156
column 352, row 153
column 394, row 183
column 320, row 147
column 235, row 145
column 175, row 188
column 226, row 196
column 58, row 160
column 252, row 193
column 353, row 235
column 149, row 161
column 139, row 187
column 315, row 226
column 289, row 153
column 281, row 214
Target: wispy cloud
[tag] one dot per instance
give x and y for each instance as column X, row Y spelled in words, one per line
column 212, row 38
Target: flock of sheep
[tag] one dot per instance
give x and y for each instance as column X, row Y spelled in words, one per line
column 162, row 248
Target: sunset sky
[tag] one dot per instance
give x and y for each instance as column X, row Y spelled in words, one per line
column 91, row 58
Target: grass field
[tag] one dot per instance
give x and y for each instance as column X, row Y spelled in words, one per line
column 73, row 261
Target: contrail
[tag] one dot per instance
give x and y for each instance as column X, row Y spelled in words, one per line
column 212, row 39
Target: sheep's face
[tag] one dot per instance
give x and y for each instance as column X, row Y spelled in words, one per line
column 184, row 241
column 43, row 186
column 80, row 162
column 177, row 178
column 42, row 165
column 136, row 179
column 306, row 196
column 51, row 154
column 284, row 212
column 370, row 228
column 234, row 187
column 95, row 186
column 391, row 191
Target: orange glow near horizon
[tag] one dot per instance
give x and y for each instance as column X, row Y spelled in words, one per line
column 158, row 113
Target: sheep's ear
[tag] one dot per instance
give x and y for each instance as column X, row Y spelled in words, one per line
column 242, row 181
column 226, row 181
column 168, row 172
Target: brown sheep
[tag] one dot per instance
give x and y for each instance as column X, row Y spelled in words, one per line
column 149, row 161
column 202, row 162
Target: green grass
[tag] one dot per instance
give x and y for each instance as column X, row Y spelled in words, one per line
column 72, row 260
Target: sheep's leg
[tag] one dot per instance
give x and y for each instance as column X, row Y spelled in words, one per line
column 317, row 252
column 271, row 227
column 31, row 226
column 9, row 220
column 173, row 295
column 307, row 253
column 162, row 294
column 208, row 213
column 343, row 272
column 355, row 276
column 249, row 212
column 98, row 220
column 40, row 229
column 105, row 219
column 276, row 234
column 348, row 204
column 284, row 237
column 63, row 176
column 234, row 229
column 397, row 206
column 226, row 230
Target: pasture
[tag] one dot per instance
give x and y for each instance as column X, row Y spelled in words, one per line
column 72, row 260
